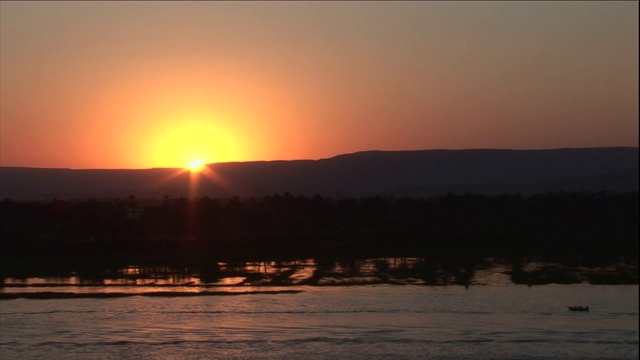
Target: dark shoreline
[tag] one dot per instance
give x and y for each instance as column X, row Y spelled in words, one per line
column 337, row 272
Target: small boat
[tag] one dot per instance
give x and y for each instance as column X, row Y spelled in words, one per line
column 579, row 308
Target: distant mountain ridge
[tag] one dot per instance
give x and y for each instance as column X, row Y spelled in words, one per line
column 369, row 173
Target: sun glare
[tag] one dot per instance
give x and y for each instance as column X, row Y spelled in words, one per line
column 196, row 165
column 189, row 144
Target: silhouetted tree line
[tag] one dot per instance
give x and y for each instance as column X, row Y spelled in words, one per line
column 283, row 225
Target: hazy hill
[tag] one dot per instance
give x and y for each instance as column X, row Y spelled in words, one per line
column 400, row 173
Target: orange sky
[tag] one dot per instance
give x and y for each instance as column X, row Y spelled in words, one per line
column 158, row 84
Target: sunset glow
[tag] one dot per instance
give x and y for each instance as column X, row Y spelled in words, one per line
column 158, row 84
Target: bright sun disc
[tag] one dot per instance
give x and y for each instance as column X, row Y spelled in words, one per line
column 196, row 165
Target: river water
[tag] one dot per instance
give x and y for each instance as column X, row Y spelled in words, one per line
column 332, row 322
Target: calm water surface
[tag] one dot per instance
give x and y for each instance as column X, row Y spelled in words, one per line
column 355, row 322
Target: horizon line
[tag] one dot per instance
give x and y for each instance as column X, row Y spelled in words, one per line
column 185, row 168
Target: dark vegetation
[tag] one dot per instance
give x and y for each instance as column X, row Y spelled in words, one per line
column 58, row 236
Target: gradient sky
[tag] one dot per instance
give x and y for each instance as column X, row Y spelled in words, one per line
column 157, row 84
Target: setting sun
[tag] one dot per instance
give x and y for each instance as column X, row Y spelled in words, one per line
column 187, row 144
column 196, row 165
